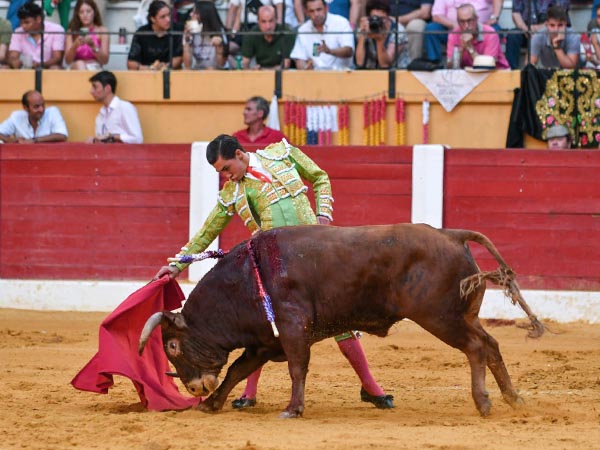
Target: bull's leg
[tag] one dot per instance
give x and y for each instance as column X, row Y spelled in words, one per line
column 471, row 341
column 498, row 369
column 238, row 371
column 297, row 350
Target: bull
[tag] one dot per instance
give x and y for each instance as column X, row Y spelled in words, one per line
column 323, row 281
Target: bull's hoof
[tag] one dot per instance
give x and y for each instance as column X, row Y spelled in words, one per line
column 380, row 401
column 485, row 408
column 289, row 415
column 243, row 402
column 516, row 401
column 206, row 408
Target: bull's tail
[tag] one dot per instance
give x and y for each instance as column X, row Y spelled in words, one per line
column 504, row 277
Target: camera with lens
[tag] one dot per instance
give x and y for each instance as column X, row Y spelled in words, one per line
column 375, row 24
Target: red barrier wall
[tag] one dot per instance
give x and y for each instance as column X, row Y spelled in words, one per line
column 74, row 211
column 540, row 208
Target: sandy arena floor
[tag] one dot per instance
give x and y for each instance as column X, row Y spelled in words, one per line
column 559, row 377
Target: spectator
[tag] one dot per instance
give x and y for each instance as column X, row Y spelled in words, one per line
column 118, row 119
column 349, row 9
column 325, row 42
column 25, row 48
column 376, row 43
column 593, row 55
column 86, row 44
column 255, row 115
column 150, row 48
column 444, row 19
column 558, row 138
column 555, row 45
column 272, row 48
column 473, row 39
column 5, row 32
column 528, row 16
column 242, row 15
column 209, row 47
column 413, row 15
column 35, row 123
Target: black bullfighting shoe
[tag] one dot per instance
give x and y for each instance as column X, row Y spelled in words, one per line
column 243, row 402
column 380, row 401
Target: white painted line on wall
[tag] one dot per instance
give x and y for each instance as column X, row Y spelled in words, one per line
column 428, row 185
column 560, row 306
column 204, row 187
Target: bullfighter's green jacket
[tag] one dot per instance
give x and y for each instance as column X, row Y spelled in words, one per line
column 263, row 206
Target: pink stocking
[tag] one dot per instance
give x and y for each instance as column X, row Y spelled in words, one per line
column 353, row 351
column 252, row 384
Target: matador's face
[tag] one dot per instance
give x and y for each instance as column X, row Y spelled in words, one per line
column 235, row 168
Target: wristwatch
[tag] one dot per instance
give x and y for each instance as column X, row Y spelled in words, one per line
column 493, row 17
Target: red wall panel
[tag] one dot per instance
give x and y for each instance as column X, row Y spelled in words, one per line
column 540, row 208
column 75, row 211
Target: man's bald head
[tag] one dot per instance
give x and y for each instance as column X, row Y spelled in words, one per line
column 266, row 19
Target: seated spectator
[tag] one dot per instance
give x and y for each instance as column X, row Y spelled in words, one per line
column 272, row 48
column 35, row 123
column 376, row 43
column 25, row 48
column 413, row 15
column 86, row 44
column 593, row 55
column 325, row 41
column 528, row 16
column 443, row 15
column 118, row 119
column 555, row 45
column 5, row 32
column 256, row 112
column 205, row 45
column 558, row 138
column 150, row 45
column 474, row 39
column 242, row 15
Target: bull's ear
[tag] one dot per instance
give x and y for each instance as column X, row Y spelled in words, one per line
column 174, row 319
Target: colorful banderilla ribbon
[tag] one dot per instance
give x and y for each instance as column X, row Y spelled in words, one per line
column 266, row 300
column 179, row 258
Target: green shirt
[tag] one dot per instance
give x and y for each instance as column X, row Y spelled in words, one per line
column 268, row 54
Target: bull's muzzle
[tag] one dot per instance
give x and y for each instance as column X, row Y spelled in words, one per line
column 202, row 387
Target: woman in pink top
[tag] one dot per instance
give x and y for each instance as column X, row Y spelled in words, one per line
column 86, row 42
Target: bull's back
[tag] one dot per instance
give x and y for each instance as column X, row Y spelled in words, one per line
column 367, row 277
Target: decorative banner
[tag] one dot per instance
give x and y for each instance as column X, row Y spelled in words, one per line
column 400, row 122
column 449, row 87
column 315, row 124
column 425, row 122
column 374, row 128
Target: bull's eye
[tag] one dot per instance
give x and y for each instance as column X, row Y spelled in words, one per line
column 173, row 347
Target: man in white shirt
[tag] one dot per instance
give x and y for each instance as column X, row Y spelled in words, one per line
column 118, row 119
column 325, row 42
column 35, row 123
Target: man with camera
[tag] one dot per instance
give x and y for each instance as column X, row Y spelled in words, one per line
column 529, row 16
column 555, row 46
column 377, row 37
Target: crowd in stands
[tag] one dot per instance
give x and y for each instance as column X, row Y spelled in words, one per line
column 306, row 34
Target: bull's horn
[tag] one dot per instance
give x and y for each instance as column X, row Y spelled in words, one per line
column 172, row 374
column 151, row 324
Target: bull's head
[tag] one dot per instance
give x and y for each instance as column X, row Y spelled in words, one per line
column 197, row 366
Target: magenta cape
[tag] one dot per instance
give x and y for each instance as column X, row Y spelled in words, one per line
column 117, row 350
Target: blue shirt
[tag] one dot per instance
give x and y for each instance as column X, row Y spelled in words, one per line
column 18, row 125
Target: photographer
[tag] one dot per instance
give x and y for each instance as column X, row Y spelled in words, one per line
column 376, row 43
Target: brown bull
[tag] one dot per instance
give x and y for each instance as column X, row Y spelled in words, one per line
column 324, row 281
